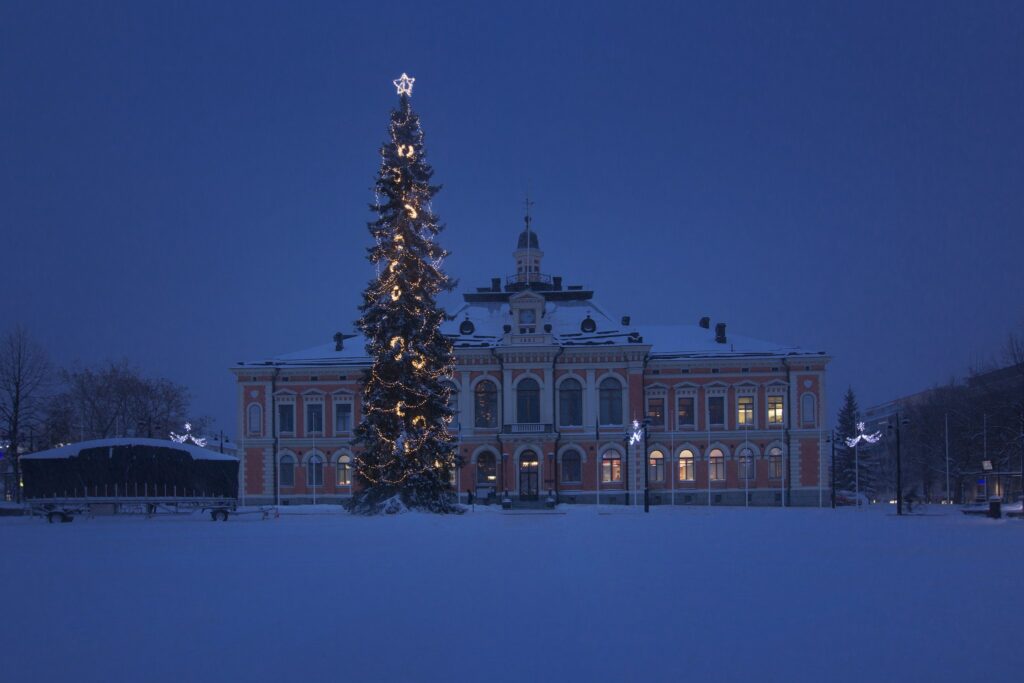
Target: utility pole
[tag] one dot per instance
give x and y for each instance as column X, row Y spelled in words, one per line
column 899, row 469
column 832, row 440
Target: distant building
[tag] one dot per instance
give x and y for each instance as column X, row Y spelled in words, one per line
column 546, row 387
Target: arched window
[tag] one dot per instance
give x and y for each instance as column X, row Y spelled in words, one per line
column 528, row 401
column 255, row 418
column 315, row 470
column 571, row 468
column 807, row 406
column 485, row 404
column 610, row 397
column 344, row 471
column 745, row 463
column 686, row 465
column 287, row 476
column 656, row 466
column 486, row 470
column 716, row 464
column 775, row 462
column 570, row 403
column 611, row 467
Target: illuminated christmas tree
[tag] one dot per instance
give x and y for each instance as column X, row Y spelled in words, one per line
column 408, row 454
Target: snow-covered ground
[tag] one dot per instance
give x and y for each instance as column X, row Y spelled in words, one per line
column 683, row 594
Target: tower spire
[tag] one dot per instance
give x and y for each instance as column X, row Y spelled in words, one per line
column 527, row 219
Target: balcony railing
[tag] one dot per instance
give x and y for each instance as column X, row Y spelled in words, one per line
column 527, row 428
column 520, row 278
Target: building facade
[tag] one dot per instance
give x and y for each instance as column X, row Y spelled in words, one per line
column 546, row 390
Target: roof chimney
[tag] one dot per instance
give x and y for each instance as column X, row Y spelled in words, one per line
column 495, row 284
column 705, row 322
column 339, row 341
column 720, row 333
column 625, row 321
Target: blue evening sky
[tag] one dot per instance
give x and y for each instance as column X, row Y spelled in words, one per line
column 186, row 184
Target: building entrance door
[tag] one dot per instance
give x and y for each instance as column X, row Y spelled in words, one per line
column 529, row 472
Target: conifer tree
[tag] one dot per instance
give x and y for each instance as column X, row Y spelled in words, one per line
column 846, row 428
column 408, row 454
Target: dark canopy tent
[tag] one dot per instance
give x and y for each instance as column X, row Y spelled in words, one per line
column 133, row 466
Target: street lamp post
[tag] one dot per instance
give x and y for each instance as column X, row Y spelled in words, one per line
column 899, row 464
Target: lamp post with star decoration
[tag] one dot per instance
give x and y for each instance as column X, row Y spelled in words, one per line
column 407, row 453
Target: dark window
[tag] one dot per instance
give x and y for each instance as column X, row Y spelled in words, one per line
column 716, row 410
column 528, row 401
column 610, row 398
column 716, row 465
column 342, row 417
column 486, row 404
column 315, row 471
column 286, row 417
column 314, row 417
column 486, row 469
column 571, row 468
column 685, row 411
column 775, row 462
column 570, row 403
column 287, row 470
column 745, row 463
column 255, row 418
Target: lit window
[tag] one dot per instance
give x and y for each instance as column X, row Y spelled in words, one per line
column 775, row 462
column 486, row 469
column 656, row 411
column 344, row 471
column 255, row 418
column 716, row 410
column 571, row 469
column 315, row 470
column 485, row 399
column 716, row 465
column 775, row 410
column 570, row 403
column 610, row 399
column 528, row 401
column 342, row 417
column 745, row 411
column 684, row 411
column 745, row 463
column 286, row 417
column 314, row 418
column 287, row 476
column 686, row 465
column 656, row 466
column 611, row 468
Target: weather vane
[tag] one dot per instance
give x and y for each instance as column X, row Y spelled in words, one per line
column 404, row 84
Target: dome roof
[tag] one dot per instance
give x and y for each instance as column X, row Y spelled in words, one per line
column 528, row 240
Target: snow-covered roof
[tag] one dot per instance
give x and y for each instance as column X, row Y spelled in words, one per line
column 565, row 317
column 72, row 450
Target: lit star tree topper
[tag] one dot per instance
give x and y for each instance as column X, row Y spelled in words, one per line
column 407, row 452
column 404, row 84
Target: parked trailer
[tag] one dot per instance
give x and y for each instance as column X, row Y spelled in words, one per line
column 140, row 476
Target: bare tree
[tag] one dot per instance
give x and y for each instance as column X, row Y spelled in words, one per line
column 24, row 373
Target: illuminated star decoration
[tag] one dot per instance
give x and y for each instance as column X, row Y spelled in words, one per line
column 637, row 433
column 404, row 84
column 861, row 436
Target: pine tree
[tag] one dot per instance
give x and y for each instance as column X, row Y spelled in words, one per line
column 408, row 454
column 846, row 428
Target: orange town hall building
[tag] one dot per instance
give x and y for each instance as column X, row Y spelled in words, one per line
column 546, row 389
